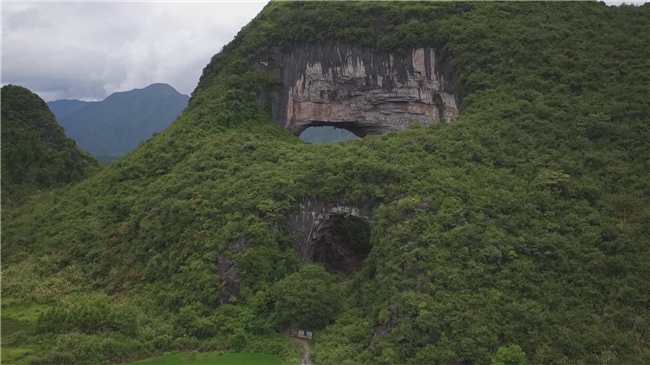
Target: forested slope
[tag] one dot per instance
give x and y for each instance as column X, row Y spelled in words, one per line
column 518, row 234
column 35, row 152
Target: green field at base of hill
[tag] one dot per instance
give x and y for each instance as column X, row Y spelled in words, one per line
column 214, row 358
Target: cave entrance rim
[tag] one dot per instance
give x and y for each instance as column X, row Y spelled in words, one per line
column 341, row 241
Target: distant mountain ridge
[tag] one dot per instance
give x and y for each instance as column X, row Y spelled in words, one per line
column 117, row 124
column 64, row 107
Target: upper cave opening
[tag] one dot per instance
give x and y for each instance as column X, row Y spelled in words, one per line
column 327, row 134
column 341, row 243
column 366, row 91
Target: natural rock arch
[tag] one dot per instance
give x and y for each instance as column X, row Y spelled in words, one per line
column 362, row 90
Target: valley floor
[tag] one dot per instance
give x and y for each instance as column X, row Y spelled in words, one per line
column 19, row 316
column 213, row 358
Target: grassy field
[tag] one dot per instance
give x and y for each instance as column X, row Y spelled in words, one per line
column 213, row 358
column 12, row 309
column 21, row 316
column 18, row 316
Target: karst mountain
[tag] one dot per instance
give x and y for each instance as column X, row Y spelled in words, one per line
column 495, row 211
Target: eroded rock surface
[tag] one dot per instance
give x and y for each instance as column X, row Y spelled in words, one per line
column 314, row 221
column 227, row 268
column 230, row 278
column 361, row 90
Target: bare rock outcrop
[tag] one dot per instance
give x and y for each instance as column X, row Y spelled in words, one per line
column 361, row 90
column 227, row 268
column 315, row 219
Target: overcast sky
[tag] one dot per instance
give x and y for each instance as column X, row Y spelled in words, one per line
column 88, row 50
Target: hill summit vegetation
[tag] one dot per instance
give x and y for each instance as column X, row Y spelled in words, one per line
column 35, row 152
column 517, row 235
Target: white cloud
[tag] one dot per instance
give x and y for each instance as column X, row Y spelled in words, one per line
column 628, row 2
column 89, row 50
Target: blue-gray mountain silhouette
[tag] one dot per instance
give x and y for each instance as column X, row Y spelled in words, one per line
column 117, row 124
column 64, row 107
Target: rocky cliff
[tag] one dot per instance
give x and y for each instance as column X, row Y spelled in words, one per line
column 362, row 90
column 318, row 228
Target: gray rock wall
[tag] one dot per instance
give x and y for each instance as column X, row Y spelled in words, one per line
column 314, row 219
column 361, row 90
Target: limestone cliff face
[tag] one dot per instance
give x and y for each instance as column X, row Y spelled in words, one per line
column 361, row 90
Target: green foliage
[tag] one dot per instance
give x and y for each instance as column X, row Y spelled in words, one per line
column 89, row 318
column 551, row 179
column 109, row 159
column 524, row 222
column 213, row 359
column 35, row 152
column 509, row 355
column 308, row 299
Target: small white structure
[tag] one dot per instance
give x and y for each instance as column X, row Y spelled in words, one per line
column 305, row 334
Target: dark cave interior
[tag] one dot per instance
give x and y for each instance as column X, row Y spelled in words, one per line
column 343, row 245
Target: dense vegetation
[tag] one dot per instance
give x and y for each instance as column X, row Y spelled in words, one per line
column 110, row 128
column 36, row 154
column 195, row 358
column 517, row 235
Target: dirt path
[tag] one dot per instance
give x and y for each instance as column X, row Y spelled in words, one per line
column 305, row 345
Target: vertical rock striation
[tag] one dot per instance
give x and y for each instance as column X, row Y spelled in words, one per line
column 361, row 90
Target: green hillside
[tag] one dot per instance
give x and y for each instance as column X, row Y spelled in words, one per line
column 518, row 235
column 36, row 155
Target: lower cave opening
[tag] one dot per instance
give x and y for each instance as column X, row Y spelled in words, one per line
column 343, row 244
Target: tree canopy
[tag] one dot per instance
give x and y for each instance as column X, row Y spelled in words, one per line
column 524, row 223
column 36, row 154
column 310, row 298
